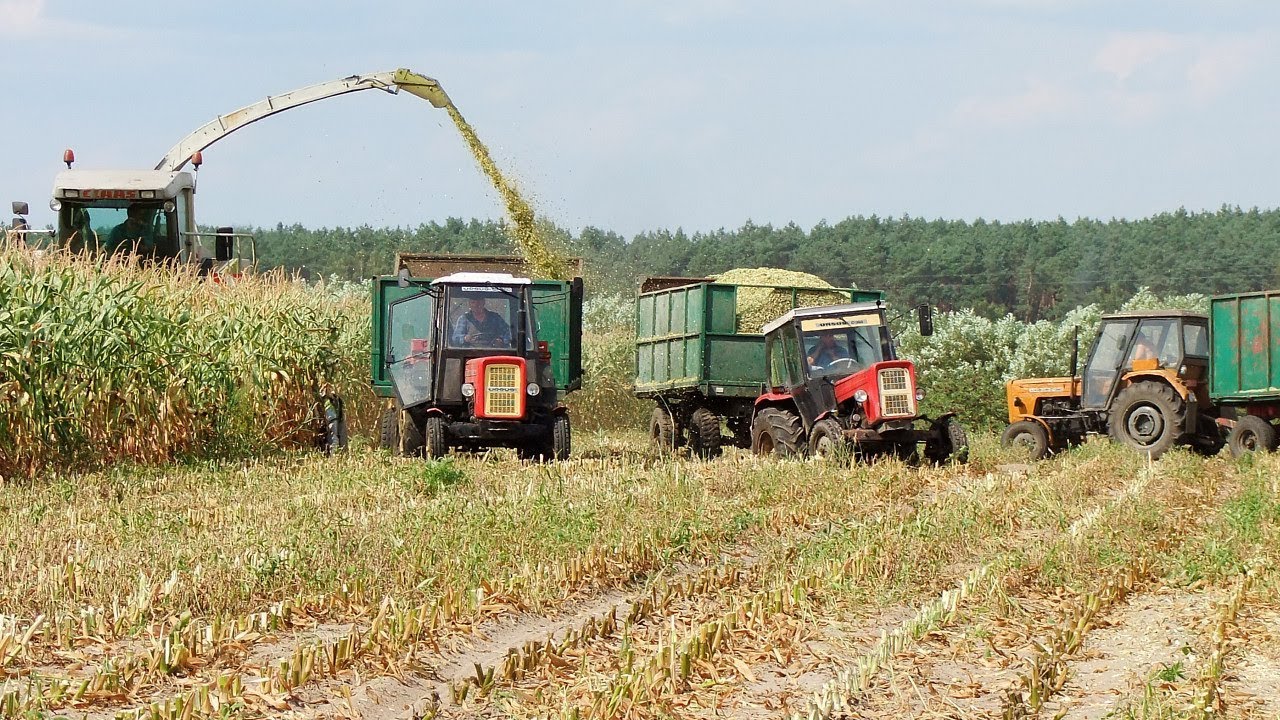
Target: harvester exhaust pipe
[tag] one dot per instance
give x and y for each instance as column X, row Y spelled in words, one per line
column 424, row 87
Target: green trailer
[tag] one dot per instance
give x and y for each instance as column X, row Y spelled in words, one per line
column 472, row 353
column 698, row 366
column 1244, row 367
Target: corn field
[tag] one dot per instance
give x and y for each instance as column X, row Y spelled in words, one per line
column 102, row 361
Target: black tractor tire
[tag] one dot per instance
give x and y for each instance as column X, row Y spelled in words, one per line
column 826, row 439
column 704, row 434
column 411, row 437
column 777, row 432
column 908, row 451
column 1209, row 439
column 1148, row 417
column 332, row 436
column 664, row 435
column 952, row 443
column 435, row 445
column 1029, row 436
column 561, row 438
column 389, row 429
column 1251, row 434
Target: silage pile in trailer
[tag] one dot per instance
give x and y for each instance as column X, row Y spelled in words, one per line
column 758, row 306
column 105, row 361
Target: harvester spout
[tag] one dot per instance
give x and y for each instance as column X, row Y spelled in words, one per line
column 424, row 87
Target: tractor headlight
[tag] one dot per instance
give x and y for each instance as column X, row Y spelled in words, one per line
column 468, row 390
column 55, row 204
column 919, row 395
column 860, row 395
column 533, row 389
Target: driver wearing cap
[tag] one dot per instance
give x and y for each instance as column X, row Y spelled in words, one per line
column 478, row 327
column 826, row 350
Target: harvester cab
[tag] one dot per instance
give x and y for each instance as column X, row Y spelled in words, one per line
column 468, row 369
column 835, row 382
column 1144, row 383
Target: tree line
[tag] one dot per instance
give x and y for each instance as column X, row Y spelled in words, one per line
column 1032, row 269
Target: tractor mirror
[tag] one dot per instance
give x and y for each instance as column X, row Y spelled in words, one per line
column 925, row 314
column 224, row 244
column 20, row 208
column 402, row 277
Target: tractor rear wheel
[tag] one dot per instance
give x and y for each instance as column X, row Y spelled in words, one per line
column 663, row 434
column 1148, row 417
column 389, row 428
column 704, row 434
column 1027, row 436
column 434, row 442
column 1251, row 434
column 952, row 443
column 827, row 438
column 777, row 432
column 411, row 439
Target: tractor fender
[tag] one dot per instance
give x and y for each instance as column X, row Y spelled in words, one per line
column 435, row 411
column 1168, row 377
column 1048, row 429
column 560, row 409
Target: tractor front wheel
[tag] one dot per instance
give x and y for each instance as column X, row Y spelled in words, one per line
column 1251, row 434
column 434, row 442
column 389, row 428
column 951, row 443
column 411, row 438
column 561, row 438
column 1148, row 417
column 1028, row 437
column 827, row 438
column 777, row 432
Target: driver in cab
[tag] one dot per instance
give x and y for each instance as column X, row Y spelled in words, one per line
column 826, row 351
column 478, row 327
column 134, row 234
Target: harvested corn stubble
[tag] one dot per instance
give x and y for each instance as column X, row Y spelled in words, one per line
column 758, row 306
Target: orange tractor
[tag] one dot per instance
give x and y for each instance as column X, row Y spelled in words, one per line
column 1145, row 383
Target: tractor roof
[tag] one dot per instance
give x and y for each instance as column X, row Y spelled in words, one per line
column 1166, row 313
column 165, row 184
column 481, row 278
column 820, row 312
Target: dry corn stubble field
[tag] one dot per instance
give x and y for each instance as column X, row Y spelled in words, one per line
column 621, row 584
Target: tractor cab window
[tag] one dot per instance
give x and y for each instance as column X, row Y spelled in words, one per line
column 1104, row 363
column 483, row 317
column 1158, row 340
column 1195, row 340
column 119, row 226
column 409, row 347
column 837, row 346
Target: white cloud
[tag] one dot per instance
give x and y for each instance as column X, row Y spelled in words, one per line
column 1042, row 99
column 1223, row 63
column 20, row 16
column 1125, row 53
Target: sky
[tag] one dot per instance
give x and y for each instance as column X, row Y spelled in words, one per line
column 634, row 116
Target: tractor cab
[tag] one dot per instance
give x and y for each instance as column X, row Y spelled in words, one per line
column 1172, row 344
column 468, row 370
column 834, row 380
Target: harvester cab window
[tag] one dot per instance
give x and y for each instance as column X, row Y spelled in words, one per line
column 118, row 227
column 483, row 317
column 1104, row 363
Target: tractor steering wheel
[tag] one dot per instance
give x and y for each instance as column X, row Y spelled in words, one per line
column 847, row 361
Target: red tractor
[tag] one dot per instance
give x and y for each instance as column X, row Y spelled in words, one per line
column 835, row 384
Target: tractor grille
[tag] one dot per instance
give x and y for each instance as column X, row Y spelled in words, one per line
column 897, row 399
column 502, row 391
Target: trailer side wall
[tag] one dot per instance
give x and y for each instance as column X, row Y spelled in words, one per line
column 1245, row 357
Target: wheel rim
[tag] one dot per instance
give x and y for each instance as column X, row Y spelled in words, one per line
column 1249, row 440
column 823, row 445
column 1145, row 425
column 1024, row 441
column 766, row 443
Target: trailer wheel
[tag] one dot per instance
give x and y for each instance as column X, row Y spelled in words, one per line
column 704, row 434
column 433, row 438
column 1027, row 436
column 411, row 438
column 1251, row 434
column 1148, row 417
column 827, row 438
column 662, row 430
column 389, row 429
column 777, row 432
column 561, row 438
column 952, row 443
